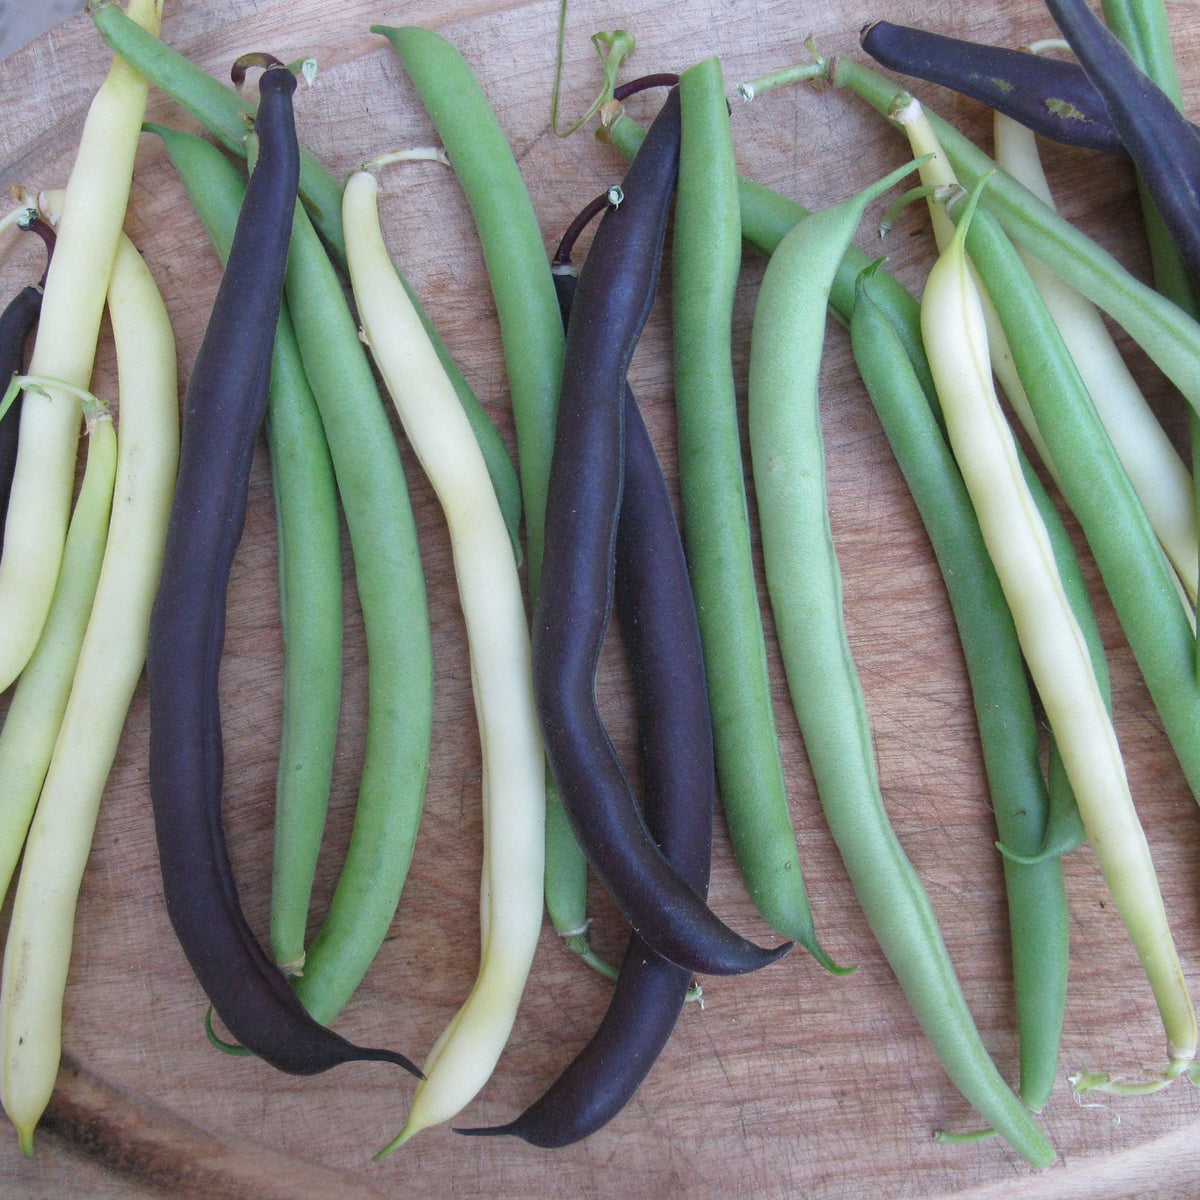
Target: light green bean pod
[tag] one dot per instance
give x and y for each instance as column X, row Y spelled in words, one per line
column 804, row 583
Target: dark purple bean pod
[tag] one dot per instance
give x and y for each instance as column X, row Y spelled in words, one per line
column 1053, row 97
column 1164, row 145
column 223, row 412
column 16, row 324
column 658, row 620
column 615, row 292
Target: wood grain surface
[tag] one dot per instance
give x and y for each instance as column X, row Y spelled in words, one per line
column 790, row 1082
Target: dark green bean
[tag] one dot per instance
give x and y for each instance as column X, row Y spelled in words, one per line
column 706, row 258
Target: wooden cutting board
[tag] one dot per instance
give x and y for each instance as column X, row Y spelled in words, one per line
column 786, row 1083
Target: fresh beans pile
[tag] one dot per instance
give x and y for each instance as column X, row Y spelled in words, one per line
column 576, row 544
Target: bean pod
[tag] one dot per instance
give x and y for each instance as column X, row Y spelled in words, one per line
column 223, row 411
column 1051, row 96
column 616, row 289
column 658, row 620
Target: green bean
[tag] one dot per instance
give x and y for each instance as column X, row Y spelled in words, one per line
column 804, row 584
column 1008, row 726
column 391, row 591
column 716, row 525
column 310, row 574
column 766, row 218
column 222, row 111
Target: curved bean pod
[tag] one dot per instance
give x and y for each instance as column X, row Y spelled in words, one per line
column 574, row 601
column 658, row 620
column 310, row 573
column 513, row 795
column 804, row 584
column 513, row 252
column 38, row 944
column 223, row 411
